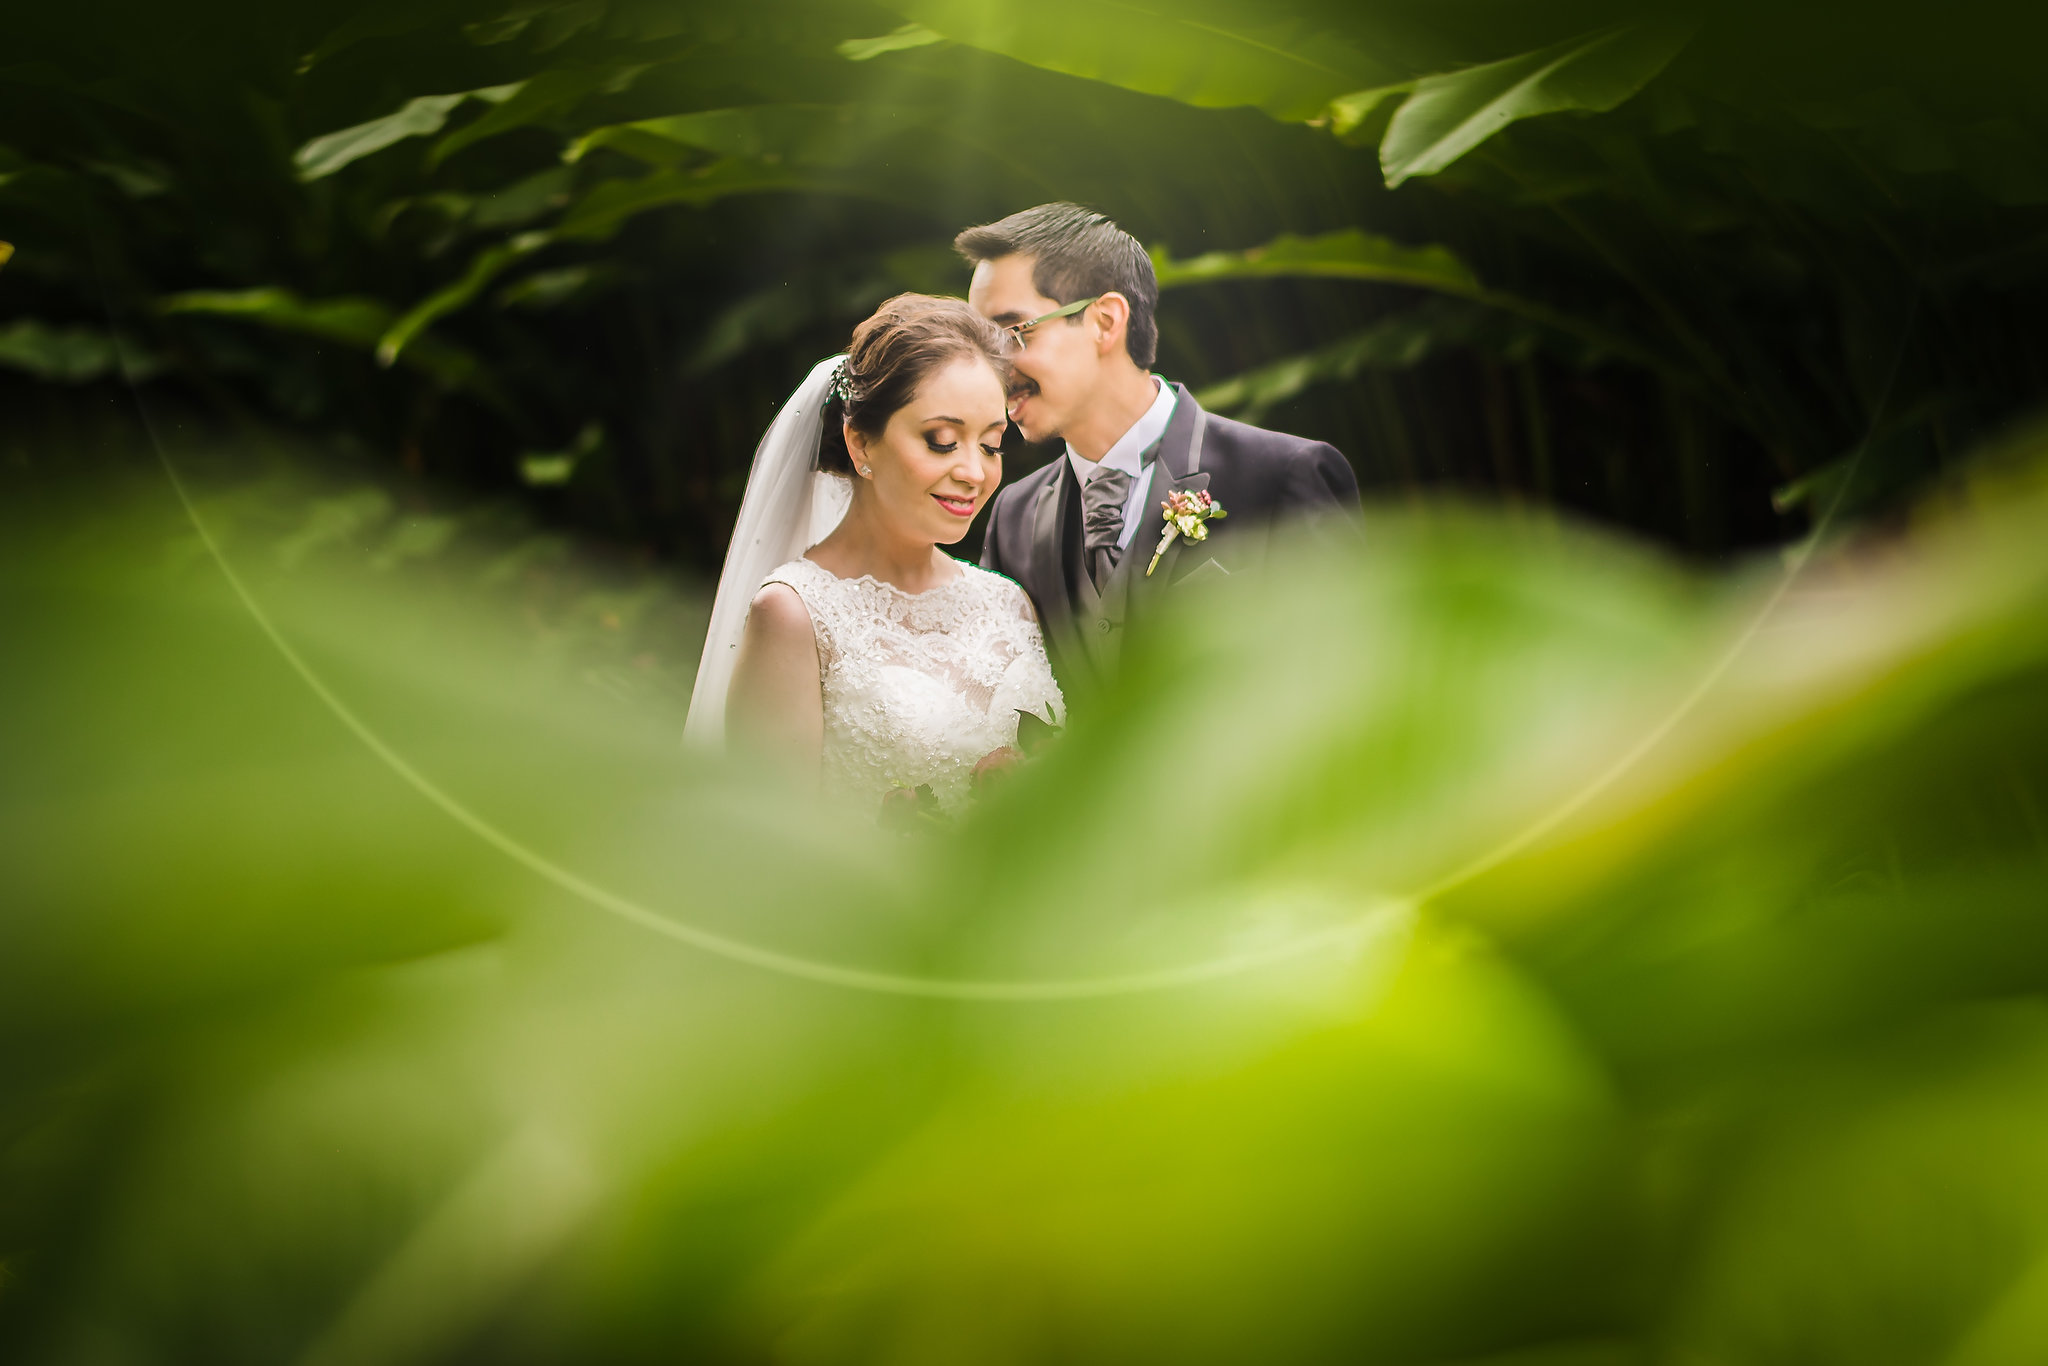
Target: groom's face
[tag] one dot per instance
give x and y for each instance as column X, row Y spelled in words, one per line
column 1059, row 364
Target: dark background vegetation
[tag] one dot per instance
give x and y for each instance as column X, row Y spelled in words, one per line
column 1820, row 223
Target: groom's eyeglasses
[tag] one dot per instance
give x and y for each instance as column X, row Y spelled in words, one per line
column 1022, row 331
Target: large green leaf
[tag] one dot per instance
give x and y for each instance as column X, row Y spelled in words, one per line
column 484, row 268
column 902, row 40
column 356, row 321
column 1285, row 67
column 754, row 131
column 784, row 310
column 1448, row 115
column 544, row 23
column 420, row 117
column 551, row 92
column 803, row 134
column 564, row 285
column 1353, row 254
column 1395, row 343
column 601, row 211
column 1717, row 1028
column 1348, row 254
column 1359, row 117
column 353, row 321
column 67, row 355
column 523, row 200
column 383, row 19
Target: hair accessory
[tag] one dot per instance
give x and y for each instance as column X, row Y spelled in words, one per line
column 840, row 389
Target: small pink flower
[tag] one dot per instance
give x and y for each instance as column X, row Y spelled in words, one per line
column 993, row 765
column 907, row 808
column 1188, row 515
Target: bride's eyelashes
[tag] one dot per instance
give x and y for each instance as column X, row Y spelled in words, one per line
column 993, row 452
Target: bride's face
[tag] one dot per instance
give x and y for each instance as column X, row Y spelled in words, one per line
column 940, row 458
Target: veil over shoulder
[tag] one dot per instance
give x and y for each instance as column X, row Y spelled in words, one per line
column 789, row 506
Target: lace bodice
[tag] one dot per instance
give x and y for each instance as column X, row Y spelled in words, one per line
column 919, row 687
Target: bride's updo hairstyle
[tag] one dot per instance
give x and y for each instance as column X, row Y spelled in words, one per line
column 909, row 338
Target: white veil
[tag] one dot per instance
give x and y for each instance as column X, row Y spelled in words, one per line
column 789, row 506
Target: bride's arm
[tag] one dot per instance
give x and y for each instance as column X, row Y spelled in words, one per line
column 776, row 707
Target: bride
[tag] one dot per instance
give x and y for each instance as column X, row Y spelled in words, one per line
column 844, row 644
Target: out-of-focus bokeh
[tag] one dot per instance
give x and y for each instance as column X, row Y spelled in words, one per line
column 1596, row 918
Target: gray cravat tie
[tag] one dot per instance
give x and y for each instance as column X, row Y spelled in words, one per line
column 1102, row 521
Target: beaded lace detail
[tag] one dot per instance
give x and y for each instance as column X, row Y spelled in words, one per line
column 919, row 687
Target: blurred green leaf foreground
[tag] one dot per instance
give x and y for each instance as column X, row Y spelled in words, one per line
column 1502, row 945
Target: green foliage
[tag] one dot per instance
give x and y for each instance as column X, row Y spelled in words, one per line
column 68, row 355
column 901, row 40
column 1396, row 343
column 551, row 92
column 1280, row 65
column 805, row 134
column 360, row 323
column 488, row 266
column 601, row 212
column 549, row 468
column 1348, row 254
column 1740, row 246
column 421, row 117
column 1445, row 117
column 1354, row 255
column 1559, row 956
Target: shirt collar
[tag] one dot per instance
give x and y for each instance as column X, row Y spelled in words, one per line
column 1130, row 450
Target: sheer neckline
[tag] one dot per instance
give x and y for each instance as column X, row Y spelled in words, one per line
column 858, row 579
column 918, row 688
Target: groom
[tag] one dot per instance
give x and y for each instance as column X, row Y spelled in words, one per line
column 1080, row 295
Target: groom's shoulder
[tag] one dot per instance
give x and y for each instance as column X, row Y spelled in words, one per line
column 1025, row 487
column 1041, row 476
column 1314, row 470
column 1242, row 438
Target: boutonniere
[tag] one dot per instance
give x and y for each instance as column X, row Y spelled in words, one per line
column 1187, row 515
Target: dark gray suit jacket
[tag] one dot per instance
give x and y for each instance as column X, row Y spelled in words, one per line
column 1034, row 528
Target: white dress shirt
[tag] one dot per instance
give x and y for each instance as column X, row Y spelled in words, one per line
column 1128, row 455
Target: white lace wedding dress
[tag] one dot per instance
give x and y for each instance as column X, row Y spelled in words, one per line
column 919, row 687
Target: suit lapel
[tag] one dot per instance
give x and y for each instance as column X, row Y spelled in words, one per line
column 1047, row 575
column 1042, row 569
column 1176, row 469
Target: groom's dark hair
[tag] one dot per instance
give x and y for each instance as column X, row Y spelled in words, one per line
column 1076, row 253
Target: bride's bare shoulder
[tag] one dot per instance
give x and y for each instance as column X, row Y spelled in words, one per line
column 775, row 703
column 778, row 615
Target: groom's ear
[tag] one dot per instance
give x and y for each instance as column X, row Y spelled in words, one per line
column 1110, row 317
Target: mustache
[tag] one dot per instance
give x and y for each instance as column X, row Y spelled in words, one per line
column 1022, row 387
